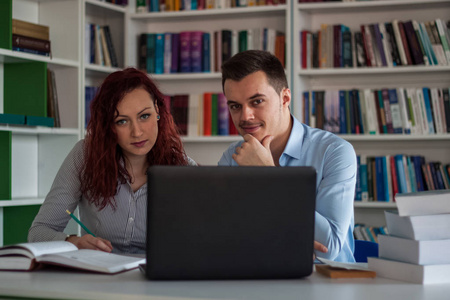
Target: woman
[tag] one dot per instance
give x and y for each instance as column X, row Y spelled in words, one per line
column 105, row 174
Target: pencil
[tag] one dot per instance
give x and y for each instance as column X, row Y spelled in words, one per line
column 79, row 222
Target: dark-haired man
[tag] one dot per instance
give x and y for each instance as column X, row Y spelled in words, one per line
column 258, row 97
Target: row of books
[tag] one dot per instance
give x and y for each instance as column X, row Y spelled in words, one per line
column 184, row 52
column 388, row 44
column 400, row 110
column 190, row 51
column 30, row 38
column 416, row 249
column 368, row 233
column 306, row 1
column 201, row 114
column 380, row 178
column 99, row 47
column 144, row 6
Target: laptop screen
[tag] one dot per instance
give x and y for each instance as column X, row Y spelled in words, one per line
column 230, row 222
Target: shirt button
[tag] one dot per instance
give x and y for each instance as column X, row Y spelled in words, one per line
column 131, row 220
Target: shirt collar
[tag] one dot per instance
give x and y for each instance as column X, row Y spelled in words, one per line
column 295, row 141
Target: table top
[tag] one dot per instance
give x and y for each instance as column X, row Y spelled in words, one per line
column 65, row 284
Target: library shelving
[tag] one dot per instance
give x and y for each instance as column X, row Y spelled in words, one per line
column 205, row 150
column 310, row 16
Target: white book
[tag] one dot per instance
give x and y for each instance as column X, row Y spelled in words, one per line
column 167, row 52
column 442, row 35
column 386, row 44
column 398, row 40
column 404, row 110
column 29, row 256
column 432, row 252
column 407, row 174
column 250, row 40
column 436, row 110
column 426, row 227
column 328, row 111
column 193, row 112
column 430, row 274
column 371, row 112
column 234, row 42
column 98, row 47
column 423, row 203
column 423, row 111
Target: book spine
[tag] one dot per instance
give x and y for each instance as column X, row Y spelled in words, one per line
column 206, row 52
column 151, row 48
column 174, row 65
column 222, row 115
column 196, row 51
column 185, row 52
column 110, row 45
column 159, row 53
column 30, row 43
column 413, row 42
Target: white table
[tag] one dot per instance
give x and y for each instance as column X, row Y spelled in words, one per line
column 60, row 284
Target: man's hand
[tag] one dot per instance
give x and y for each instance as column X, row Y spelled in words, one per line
column 254, row 153
column 319, row 247
column 90, row 242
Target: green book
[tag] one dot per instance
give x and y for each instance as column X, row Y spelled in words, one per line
column 12, row 119
column 243, row 40
column 5, row 165
column 6, row 24
column 40, row 121
column 16, row 222
column 214, row 115
column 25, row 89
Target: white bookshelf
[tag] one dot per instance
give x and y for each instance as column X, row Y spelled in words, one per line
column 309, row 16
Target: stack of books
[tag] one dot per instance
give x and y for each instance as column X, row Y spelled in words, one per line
column 30, row 38
column 416, row 249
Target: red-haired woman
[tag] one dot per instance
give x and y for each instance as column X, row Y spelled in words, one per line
column 105, row 174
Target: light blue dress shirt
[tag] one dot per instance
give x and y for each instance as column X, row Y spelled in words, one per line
column 335, row 162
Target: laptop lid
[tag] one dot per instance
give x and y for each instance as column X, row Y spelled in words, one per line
column 230, row 222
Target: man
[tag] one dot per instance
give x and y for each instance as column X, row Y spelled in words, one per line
column 258, row 97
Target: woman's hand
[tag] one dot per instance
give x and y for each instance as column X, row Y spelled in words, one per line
column 90, row 242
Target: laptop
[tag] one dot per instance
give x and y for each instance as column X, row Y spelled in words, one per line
column 230, row 222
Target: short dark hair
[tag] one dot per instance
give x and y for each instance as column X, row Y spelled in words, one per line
column 251, row 61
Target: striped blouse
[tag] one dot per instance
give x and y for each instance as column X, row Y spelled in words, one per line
column 124, row 227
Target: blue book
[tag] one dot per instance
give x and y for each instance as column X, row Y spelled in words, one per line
column 12, row 119
column 154, row 5
column 412, row 174
column 342, row 116
column 439, row 177
column 395, row 111
column 385, row 178
column 429, row 113
column 363, row 178
column 194, row 4
column 159, row 53
column 32, row 51
column 206, row 54
column 306, row 106
column 433, row 175
column 418, row 170
column 358, row 179
column 92, row 44
column 151, row 45
column 379, row 178
column 401, row 173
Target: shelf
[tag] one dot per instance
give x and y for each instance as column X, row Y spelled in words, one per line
column 374, row 204
column 394, row 137
column 334, row 7
column 184, row 76
column 373, row 70
column 27, row 130
column 100, row 69
column 9, row 56
column 118, row 8
column 253, row 10
column 21, row 202
column 211, row 139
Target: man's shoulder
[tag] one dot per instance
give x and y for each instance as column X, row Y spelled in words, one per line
column 324, row 137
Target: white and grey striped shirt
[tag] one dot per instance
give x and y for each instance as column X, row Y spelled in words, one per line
column 124, row 227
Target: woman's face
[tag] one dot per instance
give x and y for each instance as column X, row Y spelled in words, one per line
column 136, row 124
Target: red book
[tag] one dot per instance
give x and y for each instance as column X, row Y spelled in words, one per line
column 207, row 114
column 304, row 39
column 231, row 128
column 367, row 42
column 394, row 176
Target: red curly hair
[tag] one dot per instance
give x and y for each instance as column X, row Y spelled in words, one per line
column 104, row 163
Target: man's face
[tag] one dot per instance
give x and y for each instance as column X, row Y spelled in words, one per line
column 255, row 106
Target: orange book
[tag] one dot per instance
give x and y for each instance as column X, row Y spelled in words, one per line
column 207, row 114
column 333, row 272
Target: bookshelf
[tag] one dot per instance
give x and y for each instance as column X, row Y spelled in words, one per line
column 309, row 16
column 204, row 150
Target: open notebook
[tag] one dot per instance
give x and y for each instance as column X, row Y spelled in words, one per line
column 31, row 256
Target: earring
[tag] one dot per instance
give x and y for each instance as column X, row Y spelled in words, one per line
column 158, row 117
